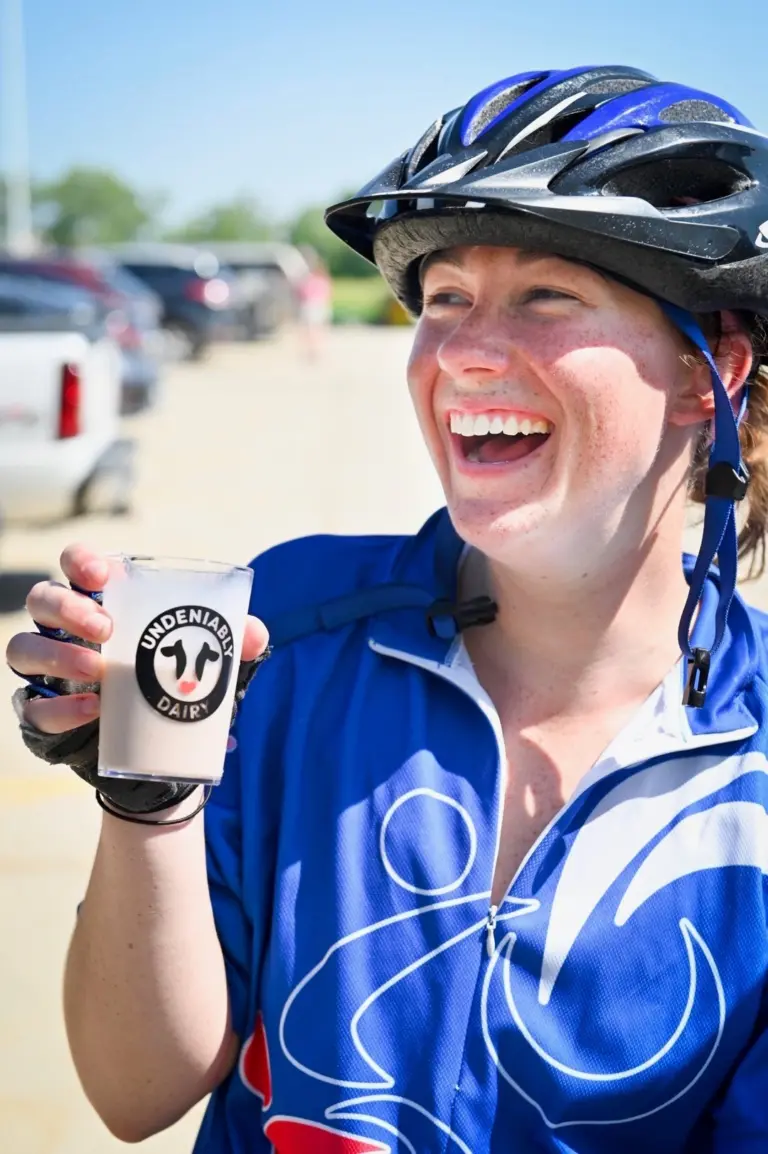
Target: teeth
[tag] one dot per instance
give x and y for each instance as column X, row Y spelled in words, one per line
column 465, row 425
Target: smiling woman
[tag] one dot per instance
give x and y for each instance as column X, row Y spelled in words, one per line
column 486, row 869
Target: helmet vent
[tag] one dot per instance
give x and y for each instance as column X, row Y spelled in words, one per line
column 549, row 133
column 619, row 86
column 673, row 183
column 693, row 110
column 424, row 150
column 494, row 108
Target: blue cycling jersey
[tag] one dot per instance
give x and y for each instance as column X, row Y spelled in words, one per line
column 615, row 999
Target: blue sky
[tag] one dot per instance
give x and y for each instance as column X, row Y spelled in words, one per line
column 293, row 100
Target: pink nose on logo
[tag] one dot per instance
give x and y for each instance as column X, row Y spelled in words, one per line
column 187, row 686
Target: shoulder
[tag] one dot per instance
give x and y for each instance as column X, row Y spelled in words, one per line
column 324, row 581
column 755, row 654
column 758, row 619
column 312, row 570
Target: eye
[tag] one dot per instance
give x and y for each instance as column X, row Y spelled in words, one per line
column 541, row 293
column 446, row 298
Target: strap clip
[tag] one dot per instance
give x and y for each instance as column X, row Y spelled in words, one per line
column 447, row 618
column 723, row 480
column 698, row 675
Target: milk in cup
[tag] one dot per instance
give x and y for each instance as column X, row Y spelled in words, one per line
column 170, row 667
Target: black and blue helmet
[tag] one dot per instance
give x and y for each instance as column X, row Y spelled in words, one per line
column 657, row 183
column 660, row 185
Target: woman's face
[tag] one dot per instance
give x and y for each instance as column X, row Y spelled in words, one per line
column 568, row 383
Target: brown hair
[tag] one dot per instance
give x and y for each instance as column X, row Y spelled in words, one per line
column 753, row 434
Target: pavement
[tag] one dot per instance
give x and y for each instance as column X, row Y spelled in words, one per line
column 249, row 448
column 254, row 446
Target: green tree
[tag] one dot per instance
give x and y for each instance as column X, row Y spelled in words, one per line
column 240, row 219
column 92, row 206
column 310, row 228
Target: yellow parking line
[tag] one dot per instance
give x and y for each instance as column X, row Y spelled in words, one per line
column 29, row 789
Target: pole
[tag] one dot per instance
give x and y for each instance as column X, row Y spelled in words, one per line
column 19, row 237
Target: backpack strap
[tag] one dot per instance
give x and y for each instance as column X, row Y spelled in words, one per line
column 443, row 618
column 444, row 615
column 340, row 611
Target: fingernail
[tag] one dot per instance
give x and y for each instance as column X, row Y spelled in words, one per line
column 88, row 706
column 98, row 626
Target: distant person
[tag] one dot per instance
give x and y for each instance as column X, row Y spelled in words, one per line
column 486, row 873
column 314, row 294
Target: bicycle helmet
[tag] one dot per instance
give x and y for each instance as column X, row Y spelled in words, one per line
column 660, row 185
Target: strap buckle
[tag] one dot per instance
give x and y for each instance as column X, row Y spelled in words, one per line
column 447, row 618
column 723, row 480
column 698, row 675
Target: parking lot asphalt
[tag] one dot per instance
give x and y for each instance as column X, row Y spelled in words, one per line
column 255, row 445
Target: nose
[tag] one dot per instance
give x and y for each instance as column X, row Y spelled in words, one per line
column 478, row 347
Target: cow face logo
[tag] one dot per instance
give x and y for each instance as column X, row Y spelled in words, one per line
column 184, row 661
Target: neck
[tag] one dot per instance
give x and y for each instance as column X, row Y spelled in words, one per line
column 581, row 646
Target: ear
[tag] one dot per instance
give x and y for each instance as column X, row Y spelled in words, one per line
column 695, row 402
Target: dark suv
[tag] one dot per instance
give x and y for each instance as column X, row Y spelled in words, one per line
column 199, row 296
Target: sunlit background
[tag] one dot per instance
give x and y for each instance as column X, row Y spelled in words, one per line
column 169, row 382
column 237, row 120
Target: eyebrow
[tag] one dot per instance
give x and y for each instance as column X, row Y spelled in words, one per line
column 446, row 256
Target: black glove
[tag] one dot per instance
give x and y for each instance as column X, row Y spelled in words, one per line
column 79, row 748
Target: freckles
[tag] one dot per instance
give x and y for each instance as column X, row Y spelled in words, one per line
column 613, row 406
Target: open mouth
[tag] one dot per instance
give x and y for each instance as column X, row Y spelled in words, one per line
column 497, row 438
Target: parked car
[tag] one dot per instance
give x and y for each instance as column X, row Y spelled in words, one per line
column 134, row 315
column 140, row 335
column 280, row 269
column 201, row 299
column 61, row 452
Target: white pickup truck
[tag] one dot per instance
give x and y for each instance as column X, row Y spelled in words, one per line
column 61, row 452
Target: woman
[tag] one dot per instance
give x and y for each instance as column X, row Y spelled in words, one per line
column 486, row 866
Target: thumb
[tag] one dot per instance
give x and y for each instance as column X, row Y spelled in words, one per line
column 255, row 639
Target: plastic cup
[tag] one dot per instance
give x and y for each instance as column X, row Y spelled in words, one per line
column 170, row 667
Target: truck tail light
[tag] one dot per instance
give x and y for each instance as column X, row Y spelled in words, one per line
column 70, row 403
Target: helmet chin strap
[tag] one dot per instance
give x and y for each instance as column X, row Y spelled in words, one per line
column 726, row 482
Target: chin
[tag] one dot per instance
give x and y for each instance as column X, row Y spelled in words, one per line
column 492, row 524
column 535, row 540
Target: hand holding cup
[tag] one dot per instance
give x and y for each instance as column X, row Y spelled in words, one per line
column 65, row 658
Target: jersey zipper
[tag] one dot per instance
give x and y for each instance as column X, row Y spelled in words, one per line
column 470, row 688
column 490, row 931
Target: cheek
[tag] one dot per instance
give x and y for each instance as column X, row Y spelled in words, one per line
column 619, row 406
column 421, row 375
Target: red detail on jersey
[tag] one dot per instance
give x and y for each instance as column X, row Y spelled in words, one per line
column 254, row 1063
column 295, row 1136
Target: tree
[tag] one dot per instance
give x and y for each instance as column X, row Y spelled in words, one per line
column 310, row 229
column 91, row 206
column 240, row 219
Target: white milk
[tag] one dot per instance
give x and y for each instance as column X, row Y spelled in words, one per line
column 171, row 667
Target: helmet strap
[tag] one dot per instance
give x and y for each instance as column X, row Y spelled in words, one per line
column 726, row 482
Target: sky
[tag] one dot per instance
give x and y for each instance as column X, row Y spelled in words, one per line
column 294, row 101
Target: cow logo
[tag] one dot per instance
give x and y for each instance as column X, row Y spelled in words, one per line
column 761, row 240
column 184, row 662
